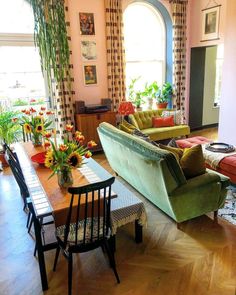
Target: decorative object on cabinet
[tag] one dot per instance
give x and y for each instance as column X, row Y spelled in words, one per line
column 88, row 50
column 88, row 123
column 86, row 21
column 210, row 23
column 90, row 75
column 125, row 108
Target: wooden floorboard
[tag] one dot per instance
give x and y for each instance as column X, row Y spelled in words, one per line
column 198, row 259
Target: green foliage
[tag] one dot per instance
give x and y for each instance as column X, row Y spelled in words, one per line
column 51, row 38
column 165, row 93
column 135, row 96
column 10, row 129
column 20, row 102
column 151, row 90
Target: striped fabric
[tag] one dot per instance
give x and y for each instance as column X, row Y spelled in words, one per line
column 179, row 16
column 115, row 52
column 62, row 91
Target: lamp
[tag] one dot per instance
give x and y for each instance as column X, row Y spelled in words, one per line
column 125, row 108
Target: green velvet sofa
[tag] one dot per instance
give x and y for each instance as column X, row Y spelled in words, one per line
column 143, row 121
column 156, row 174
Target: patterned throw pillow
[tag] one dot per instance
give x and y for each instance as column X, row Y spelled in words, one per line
column 145, row 137
column 177, row 116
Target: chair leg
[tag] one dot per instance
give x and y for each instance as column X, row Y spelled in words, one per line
column 112, row 260
column 56, row 258
column 35, row 249
column 70, row 271
column 28, row 220
column 30, row 225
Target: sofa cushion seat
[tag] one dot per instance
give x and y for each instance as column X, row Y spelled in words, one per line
column 166, row 132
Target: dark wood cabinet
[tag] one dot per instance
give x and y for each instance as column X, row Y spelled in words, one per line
column 88, row 123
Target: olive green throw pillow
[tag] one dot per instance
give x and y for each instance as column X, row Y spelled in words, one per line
column 126, row 127
column 192, row 162
column 178, row 152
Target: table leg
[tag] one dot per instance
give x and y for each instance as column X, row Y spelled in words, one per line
column 40, row 251
column 138, row 232
column 112, row 242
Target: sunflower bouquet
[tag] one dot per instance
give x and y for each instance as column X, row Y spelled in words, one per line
column 69, row 154
column 36, row 123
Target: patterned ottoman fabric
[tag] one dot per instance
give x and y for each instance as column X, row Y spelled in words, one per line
column 227, row 166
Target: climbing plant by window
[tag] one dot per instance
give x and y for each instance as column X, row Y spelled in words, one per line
column 145, row 44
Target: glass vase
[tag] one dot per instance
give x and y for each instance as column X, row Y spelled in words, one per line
column 36, row 139
column 64, row 178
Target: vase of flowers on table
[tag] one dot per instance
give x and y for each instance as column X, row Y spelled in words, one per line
column 36, row 123
column 69, row 154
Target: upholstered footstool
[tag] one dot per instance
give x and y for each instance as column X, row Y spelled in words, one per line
column 227, row 166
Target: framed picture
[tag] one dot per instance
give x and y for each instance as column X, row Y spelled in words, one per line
column 86, row 21
column 90, row 75
column 88, row 50
column 210, row 23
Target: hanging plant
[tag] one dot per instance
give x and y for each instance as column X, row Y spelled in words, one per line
column 50, row 37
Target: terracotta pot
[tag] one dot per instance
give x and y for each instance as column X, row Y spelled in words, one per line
column 3, row 160
column 162, row 105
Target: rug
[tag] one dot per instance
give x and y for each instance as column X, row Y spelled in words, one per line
column 228, row 212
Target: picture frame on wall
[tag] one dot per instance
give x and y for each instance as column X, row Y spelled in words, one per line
column 210, row 23
column 86, row 21
column 88, row 50
column 90, row 75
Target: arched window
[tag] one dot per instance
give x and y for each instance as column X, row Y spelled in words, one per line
column 21, row 81
column 146, row 42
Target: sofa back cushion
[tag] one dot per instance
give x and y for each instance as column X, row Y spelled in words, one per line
column 143, row 120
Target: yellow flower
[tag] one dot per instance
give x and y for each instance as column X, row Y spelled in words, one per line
column 49, row 159
column 75, row 159
column 27, row 128
column 39, row 128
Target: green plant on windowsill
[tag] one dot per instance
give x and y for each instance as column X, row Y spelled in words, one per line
column 150, row 93
column 136, row 97
column 165, row 93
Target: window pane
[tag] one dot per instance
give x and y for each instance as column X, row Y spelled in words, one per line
column 16, row 16
column 21, row 80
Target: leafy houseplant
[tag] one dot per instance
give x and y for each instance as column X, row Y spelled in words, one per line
column 9, row 131
column 135, row 96
column 70, row 154
column 164, row 95
column 150, row 92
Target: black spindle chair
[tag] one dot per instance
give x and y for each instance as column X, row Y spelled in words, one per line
column 88, row 224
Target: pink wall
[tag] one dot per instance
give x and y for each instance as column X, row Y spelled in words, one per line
column 194, row 32
column 90, row 94
column 228, row 101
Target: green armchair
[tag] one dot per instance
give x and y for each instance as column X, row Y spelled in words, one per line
column 156, row 174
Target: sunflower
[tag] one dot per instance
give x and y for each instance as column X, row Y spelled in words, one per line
column 39, row 128
column 75, row 159
column 27, row 128
column 49, row 159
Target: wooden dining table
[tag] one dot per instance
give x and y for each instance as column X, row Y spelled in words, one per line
column 48, row 199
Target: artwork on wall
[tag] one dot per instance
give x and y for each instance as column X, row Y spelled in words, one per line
column 90, row 75
column 88, row 50
column 86, row 21
column 210, row 23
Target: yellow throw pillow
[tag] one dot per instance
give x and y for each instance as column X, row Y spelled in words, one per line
column 192, row 162
column 126, row 127
column 178, row 152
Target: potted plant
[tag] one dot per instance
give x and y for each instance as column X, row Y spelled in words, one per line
column 164, row 95
column 135, row 96
column 9, row 131
column 150, row 92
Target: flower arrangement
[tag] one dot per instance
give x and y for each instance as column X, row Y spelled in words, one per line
column 35, row 123
column 71, row 153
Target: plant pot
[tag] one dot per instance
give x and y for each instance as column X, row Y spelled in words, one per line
column 139, row 109
column 162, row 105
column 3, row 160
column 150, row 103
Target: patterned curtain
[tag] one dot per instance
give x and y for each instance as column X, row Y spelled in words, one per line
column 115, row 52
column 179, row 16
column 63, row 93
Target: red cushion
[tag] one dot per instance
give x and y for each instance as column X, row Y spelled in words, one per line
column 189, row 142
column 163, row 122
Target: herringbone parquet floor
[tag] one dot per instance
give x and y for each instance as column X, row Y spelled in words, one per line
column 198, row 259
